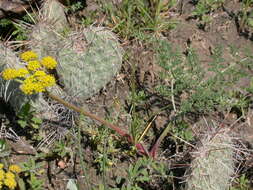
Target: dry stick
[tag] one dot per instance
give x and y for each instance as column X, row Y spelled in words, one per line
column 92, row 116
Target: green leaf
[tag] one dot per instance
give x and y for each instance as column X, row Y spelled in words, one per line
column 118, row 179
column 250, row 22
column 25, row 109
column 21, row 183
column 5, row 22
column 35, row 126
column 143, row 178
column 2, row 145
column 36, row 120
column 22, row 123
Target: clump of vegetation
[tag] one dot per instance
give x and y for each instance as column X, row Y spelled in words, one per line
column 132, row 17
column 201, row 90
column 14, row 29
column 203, row 9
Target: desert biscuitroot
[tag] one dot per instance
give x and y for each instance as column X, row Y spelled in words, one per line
column 34, row 77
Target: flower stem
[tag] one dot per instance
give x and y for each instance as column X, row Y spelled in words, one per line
column 92, row 116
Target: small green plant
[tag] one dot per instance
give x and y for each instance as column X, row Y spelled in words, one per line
column 136, row 174
column 181, row 133
column 35, row 183
column 188, row 80
column 31, row 171
column 136, row 126
column 14, row 29
column 89, row 19
column 18, row 33
column 74, row 7
column 100, row 137
column 62, row 149
column 143, row 170
column 241, row 183
column 204, row 8
column 27, row 120
column 27, row 117
column 106, row 148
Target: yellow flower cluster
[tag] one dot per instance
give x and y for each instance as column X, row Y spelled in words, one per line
column 33, row 65
column 14, row 168
column 28, row 56
column 49, row 62
column 22, row 72
column 10, row 73
column 33, row 78
column 8, row 178
column 37, row 82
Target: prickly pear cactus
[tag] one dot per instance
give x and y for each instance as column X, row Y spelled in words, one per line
column 213, row 165
column 47, row 35
column 44, row 40
column 53, row 13
column 88, row 61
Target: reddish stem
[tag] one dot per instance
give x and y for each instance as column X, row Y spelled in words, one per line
column 140, row 148
column 92, row 116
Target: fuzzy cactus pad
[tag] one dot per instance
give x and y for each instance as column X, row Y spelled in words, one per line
column 53, row 13
column 213, row 165
column 88, row 61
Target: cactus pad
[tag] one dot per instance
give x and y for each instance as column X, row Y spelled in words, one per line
column 88, row 61
column 213, row 165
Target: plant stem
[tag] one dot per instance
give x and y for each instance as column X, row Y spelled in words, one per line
column 92, row 116
column 159, row 140
column 141, row 149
